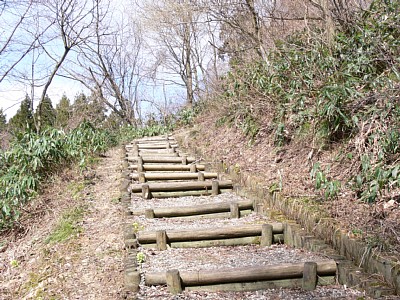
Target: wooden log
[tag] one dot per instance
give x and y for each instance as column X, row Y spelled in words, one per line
column 170, row 167
column 153, row 146
column 146, row 237
column 266, row 235
column 132, row 280
column 202, row 176
column 183, row 193
column 184, row 160
column 140, row 165
column 225, row 215
column 182, row 186
column 174, row 283
column 161, row 239
column 156, row 151
column 146, row 193
column 144, row 154
column 160, row 138
column 149, row 213
column 244, row 274
column 175, row 176
column 234, row 210
column 164, row 159
column 208, row 208
column 259, row 285
column 253, row 240
column 142, row 177
column 215, row 185
column 310, row 276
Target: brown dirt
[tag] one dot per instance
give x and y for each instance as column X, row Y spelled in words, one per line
column 88, row 265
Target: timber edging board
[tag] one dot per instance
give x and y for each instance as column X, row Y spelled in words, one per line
column 182, row 211
column 244, row 275
column 210, row 237
column 131, row 273
column 349, row 252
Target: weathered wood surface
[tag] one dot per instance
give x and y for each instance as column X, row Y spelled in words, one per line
column 208, row 208
column 177, row 194
column 174, row 283
column 260, row 285
column 165, row 167
column 164, row 159
column 156, row 151
column 252, row 240
column 310, row 276
column 244, row 274
column 174, row 176
column 181, row 186
column 156, row 146
column 208, row 233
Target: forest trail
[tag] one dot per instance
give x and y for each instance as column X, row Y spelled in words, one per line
column 88, row 265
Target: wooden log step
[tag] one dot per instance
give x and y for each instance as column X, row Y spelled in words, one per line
column 208, row 208
column 154, row 139
column 182, row 186
column 260, row 285
column 156, row 146
column 169, row 167
column 133, row 156
column 253, row 240
column 156, row 151
column 172, row 159
column 246, row 274
column 177, row 194
column 225, row 215
column 208, row 233
column 175, row 175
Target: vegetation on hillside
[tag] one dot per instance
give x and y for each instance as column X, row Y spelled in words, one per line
column 70, row 135
column 342, row 89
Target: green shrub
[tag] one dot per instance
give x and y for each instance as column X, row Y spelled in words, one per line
column 34, row 157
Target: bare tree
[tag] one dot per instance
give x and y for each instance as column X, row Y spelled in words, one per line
column 177, row 31
column 110, row 65
column 74, row 23
column 15, row 18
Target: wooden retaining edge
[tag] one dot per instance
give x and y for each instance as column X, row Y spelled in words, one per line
column 155, row 146
column 156, row 151
column 182, row 186
column 174, row 176
column 252, row 240
column 261, row 285
column 178, row 194
column 209, row 208
column 347, row 250
column 132, row 156
column 131, row 274
column 154, row 159
column 246, row 274
column 210, row 233
column 163, row 167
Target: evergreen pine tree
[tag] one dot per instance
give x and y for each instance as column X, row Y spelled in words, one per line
column 88, row 109
column 63, row 112
column 45, row 113
column 23, row 119
column 3, row 121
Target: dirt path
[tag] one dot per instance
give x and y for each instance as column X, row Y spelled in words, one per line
column 89, row 264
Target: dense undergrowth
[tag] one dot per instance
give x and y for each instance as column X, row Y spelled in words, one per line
column 34, row 157
column 344, row 90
